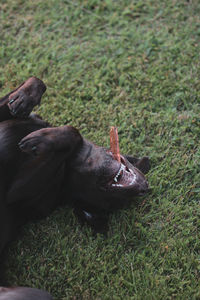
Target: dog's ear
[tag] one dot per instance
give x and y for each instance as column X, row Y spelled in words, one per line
column 143, row 164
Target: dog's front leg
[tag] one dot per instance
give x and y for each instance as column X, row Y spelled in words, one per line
column 20, row 102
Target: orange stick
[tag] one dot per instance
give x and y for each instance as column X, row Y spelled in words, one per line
column 114, row 143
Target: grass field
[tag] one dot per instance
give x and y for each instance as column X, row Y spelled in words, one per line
column 133, row 64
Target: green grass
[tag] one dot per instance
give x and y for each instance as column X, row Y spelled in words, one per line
column 136, row 65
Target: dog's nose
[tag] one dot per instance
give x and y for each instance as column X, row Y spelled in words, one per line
column 144, row 187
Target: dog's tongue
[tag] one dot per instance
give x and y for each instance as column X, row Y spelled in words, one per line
column 114, row 143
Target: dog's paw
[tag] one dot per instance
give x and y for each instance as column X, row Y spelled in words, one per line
column 21, row 104
column 36, row 145
column 22, row 100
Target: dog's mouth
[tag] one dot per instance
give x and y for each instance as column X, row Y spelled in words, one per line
column 124, row 177
column 128, row 178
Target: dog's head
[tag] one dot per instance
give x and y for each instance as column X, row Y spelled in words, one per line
column 101, row 181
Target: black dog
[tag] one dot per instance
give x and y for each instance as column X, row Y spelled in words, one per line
column 41, row 165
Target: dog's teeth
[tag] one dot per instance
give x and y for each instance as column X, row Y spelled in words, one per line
column 122, row 167
column 133, row 180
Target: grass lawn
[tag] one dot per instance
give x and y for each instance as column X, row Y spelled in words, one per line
column 136, row 65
